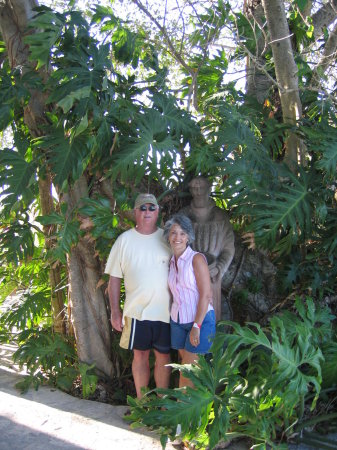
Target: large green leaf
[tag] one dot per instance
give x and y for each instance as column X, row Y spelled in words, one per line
column 68, row 156
column 144, row 151
column 16, row 178
column 13, row 90
column 178, row 121
column 328, row 162
column 87, row 72
column 66, row 235
column 288, row 209
column 321, row 139
column 104, row 222
column 47, row 26
column 16, row 241
column 28, row 309
column 252, row 386
column 67, row 102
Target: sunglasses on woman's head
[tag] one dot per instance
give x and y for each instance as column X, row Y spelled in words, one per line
column 148, row 208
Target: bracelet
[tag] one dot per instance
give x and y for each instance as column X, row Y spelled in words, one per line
column 197, row 325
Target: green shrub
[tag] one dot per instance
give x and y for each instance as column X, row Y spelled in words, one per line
column 255, row 385
column 48, row 357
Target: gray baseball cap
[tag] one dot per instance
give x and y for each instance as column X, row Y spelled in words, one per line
column 142, row 199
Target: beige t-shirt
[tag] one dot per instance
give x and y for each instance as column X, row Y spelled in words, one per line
column 143, row 261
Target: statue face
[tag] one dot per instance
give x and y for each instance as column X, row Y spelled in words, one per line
column 199, row 187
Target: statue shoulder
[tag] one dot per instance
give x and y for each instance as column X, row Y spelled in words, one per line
column 187, row 210
column 219, row 214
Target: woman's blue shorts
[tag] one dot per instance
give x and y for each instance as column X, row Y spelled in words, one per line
column 180, row 335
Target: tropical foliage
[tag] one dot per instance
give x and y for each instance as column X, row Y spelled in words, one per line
column 256, row 384
column 100, row 125
column 95, row 109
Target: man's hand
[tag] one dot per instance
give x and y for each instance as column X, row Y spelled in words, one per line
column 116, row 321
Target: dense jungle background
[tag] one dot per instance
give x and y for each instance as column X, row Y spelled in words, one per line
column 102, row 101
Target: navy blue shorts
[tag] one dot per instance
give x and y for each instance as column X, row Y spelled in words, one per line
column 146, row 335
column 180, row 335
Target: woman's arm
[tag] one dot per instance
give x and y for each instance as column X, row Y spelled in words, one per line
column 203, row 280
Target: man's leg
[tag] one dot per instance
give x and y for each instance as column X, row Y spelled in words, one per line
column 161, row 372
column 141, row 370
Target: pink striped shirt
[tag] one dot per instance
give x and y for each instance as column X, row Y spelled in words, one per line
column 184, row 289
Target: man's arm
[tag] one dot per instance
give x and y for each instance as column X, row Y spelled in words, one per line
column 114, row 291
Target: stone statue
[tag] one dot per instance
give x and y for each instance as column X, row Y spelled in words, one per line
column 214, row 236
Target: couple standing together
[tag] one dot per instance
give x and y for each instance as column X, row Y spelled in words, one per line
column 152, row 277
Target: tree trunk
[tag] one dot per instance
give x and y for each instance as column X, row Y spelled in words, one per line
column 57, row 295
column 257, row 81
column 88, row 304
column 286, row 75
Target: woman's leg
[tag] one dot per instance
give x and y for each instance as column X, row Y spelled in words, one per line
column 187, row 358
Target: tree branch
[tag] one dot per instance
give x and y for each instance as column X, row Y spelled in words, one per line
column 329, row 55
column 324, row 17
column 165, row 34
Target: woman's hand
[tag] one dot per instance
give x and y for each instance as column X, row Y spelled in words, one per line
column 195, row 336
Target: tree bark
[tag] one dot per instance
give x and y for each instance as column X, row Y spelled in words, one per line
column 328, row 58
column 324, row 17
column 286, row 75
column 57, row 295
column 257, row 81
column 88, row 304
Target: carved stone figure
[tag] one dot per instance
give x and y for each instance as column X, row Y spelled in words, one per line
column 214, row 235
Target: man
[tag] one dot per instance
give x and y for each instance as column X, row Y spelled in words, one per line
column 141, row 257
column 214, row 235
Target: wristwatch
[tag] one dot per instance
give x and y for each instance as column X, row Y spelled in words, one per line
column 197, row 325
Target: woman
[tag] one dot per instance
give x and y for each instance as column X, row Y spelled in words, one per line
column 192, row 314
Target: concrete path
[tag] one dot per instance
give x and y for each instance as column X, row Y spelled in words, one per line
column 49, row 419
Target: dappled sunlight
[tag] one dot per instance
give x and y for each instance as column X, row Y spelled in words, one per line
column 49, row 418
column 67, row 426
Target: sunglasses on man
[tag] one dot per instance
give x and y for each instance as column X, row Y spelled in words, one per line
column 148, row 208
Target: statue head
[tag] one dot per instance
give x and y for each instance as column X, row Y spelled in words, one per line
column 199, row 187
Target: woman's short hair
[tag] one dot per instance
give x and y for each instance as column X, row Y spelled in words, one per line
column 184, row 222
